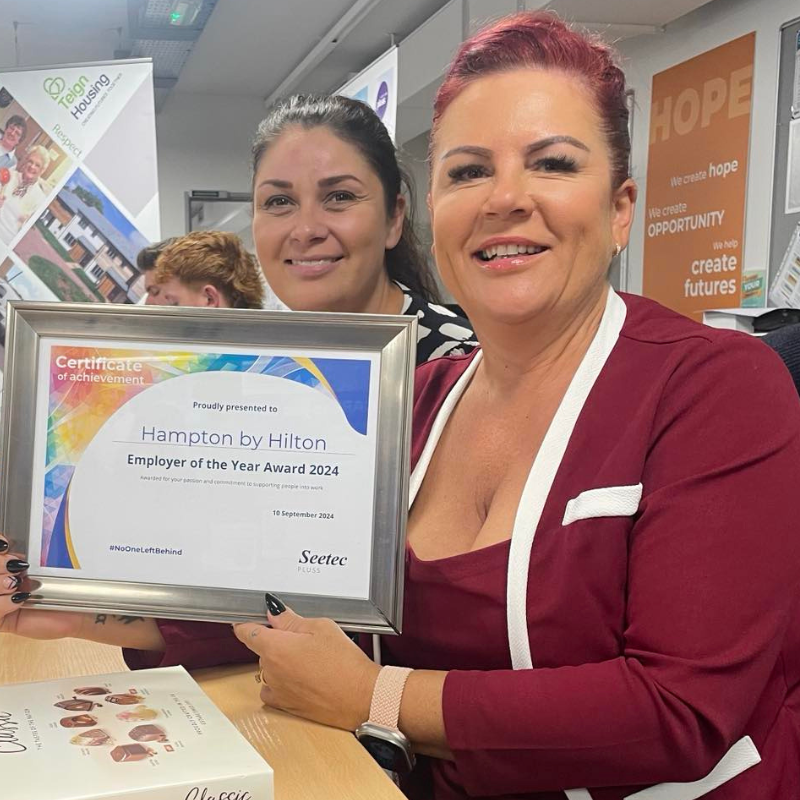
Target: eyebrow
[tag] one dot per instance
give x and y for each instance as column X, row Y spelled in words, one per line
column 276, row 183
column 323, row 182
column 334, row 179
column 541, row 144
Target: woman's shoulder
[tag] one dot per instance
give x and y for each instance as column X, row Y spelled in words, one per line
column 649, row 322
column 705, row 359
column 433, row 382
column 434, row 379
column 441, row 331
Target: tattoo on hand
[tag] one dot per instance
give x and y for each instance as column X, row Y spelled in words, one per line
column 101, row 619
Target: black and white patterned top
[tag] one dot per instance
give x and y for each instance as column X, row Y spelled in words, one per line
column 440, row 332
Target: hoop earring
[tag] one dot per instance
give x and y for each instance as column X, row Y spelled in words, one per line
column 617, row 249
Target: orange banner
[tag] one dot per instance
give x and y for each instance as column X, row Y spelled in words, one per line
column 696, row 182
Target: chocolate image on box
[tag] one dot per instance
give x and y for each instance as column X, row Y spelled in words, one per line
column 79, row 721
column 148, row 733
column 91, row 690
column 131, row 752
column 76, row 705
column 92, row 738
column 141, row 714
column 124, row 699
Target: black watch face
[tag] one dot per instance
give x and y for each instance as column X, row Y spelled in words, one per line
column 389, row 756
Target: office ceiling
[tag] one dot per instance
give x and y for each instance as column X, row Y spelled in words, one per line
column 249, row 47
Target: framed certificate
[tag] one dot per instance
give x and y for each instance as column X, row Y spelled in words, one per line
column 179, row 462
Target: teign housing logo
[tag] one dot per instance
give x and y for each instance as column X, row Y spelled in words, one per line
column 80, row 95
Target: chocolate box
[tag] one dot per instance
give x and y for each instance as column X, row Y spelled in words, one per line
column 186, row 743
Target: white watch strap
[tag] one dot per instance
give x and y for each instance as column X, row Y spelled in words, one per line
column 385, row 707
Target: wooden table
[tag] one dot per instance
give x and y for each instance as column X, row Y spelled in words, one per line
column 311, row 761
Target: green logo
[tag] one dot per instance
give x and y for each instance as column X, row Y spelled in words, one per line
column 65, row 95
column 76, row 98
column 54, row 87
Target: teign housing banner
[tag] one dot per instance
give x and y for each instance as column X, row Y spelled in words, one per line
column 78, row 183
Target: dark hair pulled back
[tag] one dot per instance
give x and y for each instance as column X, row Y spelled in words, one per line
column 357, row 124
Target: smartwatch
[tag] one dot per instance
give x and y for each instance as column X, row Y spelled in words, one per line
column 384, row 741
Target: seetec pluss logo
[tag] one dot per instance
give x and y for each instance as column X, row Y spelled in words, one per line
column 80, row 95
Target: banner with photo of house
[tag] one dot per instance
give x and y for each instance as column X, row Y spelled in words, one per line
column 78, row 182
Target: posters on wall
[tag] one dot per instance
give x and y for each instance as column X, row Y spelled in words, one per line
column 696, row 183
column 793, row 169
column 785, row 289
column 78, row 183
column 377, row 87
column 796, row 84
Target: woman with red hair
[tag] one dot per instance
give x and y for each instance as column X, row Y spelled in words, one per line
column 603, row 562
column 602, row 572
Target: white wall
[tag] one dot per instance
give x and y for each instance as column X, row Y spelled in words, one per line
column 414, row 155
column 203, row 143
column 425, row 55
column 708, row 27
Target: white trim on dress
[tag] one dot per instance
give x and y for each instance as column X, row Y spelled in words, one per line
column 543, row 472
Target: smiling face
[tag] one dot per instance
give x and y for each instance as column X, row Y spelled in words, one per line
column 12, row 136
column 319, row 222
column 524, row 217
column 32, row 167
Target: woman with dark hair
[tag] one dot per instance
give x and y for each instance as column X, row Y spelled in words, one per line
column 331, row 220
column 601, row 583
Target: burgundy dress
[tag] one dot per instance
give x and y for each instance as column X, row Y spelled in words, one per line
column 661, row 636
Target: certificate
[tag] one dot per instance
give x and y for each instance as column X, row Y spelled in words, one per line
column 181, row 462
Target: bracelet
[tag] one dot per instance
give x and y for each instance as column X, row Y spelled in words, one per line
column 386, row 696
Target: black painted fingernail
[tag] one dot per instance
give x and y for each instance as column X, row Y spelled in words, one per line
column 17, row 565
column 12, row 581
column 3, row 545
column 20, row 597
column 274, row 606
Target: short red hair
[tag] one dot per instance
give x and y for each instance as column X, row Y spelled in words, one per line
column 541, row 40
column 216, row 257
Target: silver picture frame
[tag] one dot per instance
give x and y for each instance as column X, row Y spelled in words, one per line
column 391, row 338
